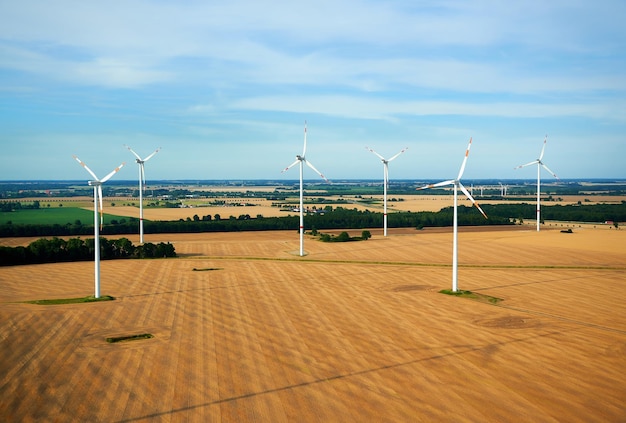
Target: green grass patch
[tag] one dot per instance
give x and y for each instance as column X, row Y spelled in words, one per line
column 90, row 299
column 206, row 269
column 125, row 338
column 51, row 216
column 472, row 296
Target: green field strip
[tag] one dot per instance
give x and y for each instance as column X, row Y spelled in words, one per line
column 52, row 216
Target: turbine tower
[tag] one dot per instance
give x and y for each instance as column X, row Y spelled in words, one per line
column 457, row 185
column 97, row 198
column 302, row 160
column 539, row 164
column 142, row 185
column 386, row 181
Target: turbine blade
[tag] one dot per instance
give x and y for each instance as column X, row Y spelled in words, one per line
column 402, row 151
column 86, row 168
column 150, row 156
column 131, row 150
column 317, row 171
column 438, row 184
column 527, row 164
column 469, row 197
column 101, row 206
column 464, row 160
column 546, row 168
column 117, row 169
column 378, row 155
column 290, row 166
column 304, row 149
column 143, row 176
column 543, row 149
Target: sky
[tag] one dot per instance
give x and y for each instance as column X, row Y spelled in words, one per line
column 225, row 88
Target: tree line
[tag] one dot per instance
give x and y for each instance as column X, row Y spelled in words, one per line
column 9, row 206
column 338, row 218
column 56, row 250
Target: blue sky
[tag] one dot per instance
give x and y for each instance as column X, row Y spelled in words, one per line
column 225, row 87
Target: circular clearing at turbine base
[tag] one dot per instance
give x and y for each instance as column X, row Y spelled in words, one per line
column 57, row 301
column 472, row 296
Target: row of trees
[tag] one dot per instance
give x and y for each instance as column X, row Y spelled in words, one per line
column 338, row 218
column 9, row 206
column 342, row 237
column 75, row 249
column 591, row 213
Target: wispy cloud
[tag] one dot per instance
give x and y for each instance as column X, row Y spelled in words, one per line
column 211, row 74
column 368, row 108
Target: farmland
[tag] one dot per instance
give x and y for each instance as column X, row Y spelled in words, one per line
column 81, row 208
column 244, row 329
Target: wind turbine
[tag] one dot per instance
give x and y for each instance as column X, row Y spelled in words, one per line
column 302, row 160
column 386, row 181
column 97, row 197
column 539, row 164
column 457, row 185
column 142, row 185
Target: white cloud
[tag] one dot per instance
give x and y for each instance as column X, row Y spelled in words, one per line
column 236, row 79
column 101, row 71
column 372, row 108
column 362, row 44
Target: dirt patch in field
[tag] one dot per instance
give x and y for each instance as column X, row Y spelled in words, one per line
column 409, row 288
column 98, row 339
column 508, row 322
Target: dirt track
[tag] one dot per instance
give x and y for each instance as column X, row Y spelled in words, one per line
column 351, row 332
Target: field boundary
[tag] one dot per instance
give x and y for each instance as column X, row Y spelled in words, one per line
column 404, row 263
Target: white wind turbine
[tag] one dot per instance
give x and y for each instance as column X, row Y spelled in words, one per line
column 539, row 164
column 142, row 185
column 97, row 198
column 457, row 185
column 302, row 160
column 386, row 181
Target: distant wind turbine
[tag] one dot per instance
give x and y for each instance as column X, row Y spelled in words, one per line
column 457, row 185
column 142, row 185
column 97, row 198
column 386, row 181
column 302, row 160
column 539, row 164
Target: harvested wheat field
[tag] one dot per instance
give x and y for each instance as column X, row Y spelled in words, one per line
column 246, row 330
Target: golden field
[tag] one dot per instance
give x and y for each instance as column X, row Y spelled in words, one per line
column 350, row 332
